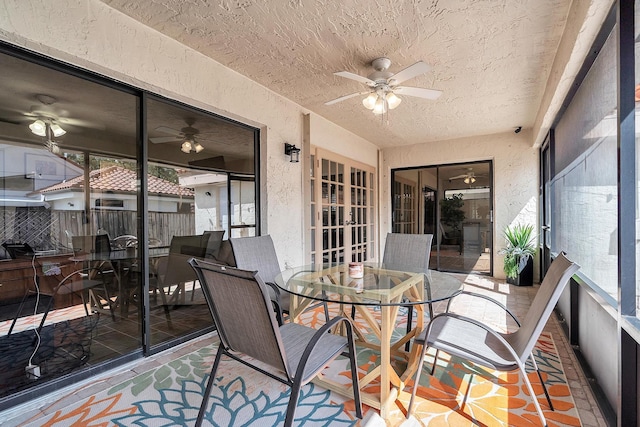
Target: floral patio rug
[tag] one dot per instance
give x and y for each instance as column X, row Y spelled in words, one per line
column 459, row 394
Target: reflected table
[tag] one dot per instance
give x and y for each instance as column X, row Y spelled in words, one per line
column 381, row 288
column 120, row 260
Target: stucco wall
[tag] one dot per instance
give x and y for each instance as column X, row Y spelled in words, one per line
column 89, row 34
column 515, row 176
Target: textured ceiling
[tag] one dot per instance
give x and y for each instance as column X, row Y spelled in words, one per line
column 491, row 58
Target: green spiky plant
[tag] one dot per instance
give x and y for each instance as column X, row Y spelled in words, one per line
column 520, row 246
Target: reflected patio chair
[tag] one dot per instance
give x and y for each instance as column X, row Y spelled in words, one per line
column 125, row 241
column 212, row 241
column 97, row 249
column 246, row 324
column 174, row 271
column 83, row 283
column 258, row 253
column 477, row 342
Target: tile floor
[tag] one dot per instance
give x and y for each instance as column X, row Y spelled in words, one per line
column 517, row 299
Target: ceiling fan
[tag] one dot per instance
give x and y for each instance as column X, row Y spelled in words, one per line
column 469, row 177
column 187, row 135
column 49, row 109
column 383, row 86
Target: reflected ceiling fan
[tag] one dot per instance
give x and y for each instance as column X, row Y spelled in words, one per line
column 49, row 109
column 48, row 119
column 383, row 87
column 186, row 135
column 469, row 177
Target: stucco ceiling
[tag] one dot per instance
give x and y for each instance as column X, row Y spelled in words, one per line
column 490, row 58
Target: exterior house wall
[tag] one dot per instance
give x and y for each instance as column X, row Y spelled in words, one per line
column 93, row 36
column 515, row 177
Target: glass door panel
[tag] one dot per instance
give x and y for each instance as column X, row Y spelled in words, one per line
column 342, row 206
column 456, row 207
column 242, row 204
column 360, row 218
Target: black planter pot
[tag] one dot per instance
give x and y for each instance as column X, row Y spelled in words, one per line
column 525, row 278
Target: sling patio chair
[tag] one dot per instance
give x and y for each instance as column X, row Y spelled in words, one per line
column 247, row 325
column 258, row 253
column 477, row 342
column 407, row 252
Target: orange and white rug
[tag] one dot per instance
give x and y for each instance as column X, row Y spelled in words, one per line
column 459, row 394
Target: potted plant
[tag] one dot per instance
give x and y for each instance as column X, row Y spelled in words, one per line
column 518, row 255
column 452, row 216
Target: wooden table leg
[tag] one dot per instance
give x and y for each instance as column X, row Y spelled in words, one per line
column 385, row 361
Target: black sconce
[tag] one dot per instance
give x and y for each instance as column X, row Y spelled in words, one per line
column 293, row 151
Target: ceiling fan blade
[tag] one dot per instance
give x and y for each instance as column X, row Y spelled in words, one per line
column 355, row 77
column 410, row 72
column 342, row 98
column 81, row 123
column 170, row 131
column 458, row 177
column 7, row 120
column 418, row 92
column 163, row 139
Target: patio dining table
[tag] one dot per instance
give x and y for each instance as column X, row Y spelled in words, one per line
column 380, row 288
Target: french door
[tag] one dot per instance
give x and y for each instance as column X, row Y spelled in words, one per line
column 342, row 209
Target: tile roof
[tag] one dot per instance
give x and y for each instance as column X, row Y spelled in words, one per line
column 119, row 179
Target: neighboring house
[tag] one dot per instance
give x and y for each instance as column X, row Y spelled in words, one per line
column 58, row 206
column 115, row 188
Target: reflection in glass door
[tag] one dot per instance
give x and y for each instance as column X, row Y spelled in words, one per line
column 342, row 209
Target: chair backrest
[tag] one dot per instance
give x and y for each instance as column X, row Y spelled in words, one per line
column 212, row 241
column 188, row 245
column 242, row 312
column 99, row 243
column 257, row 254
column 175, row 267
column 407, row 252
column 103, row 244
column 546, row 298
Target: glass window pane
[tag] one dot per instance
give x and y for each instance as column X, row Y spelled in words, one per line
column 313, row 215
column 313, row 190
column 243, row 198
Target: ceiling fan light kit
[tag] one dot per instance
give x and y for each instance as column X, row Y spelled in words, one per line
column 190, row 145
column 39, row 128
column 187, row 135
column 57, row 130
column 383, row 89
column 49, row 130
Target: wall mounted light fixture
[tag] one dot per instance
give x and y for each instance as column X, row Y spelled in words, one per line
column 293, row 151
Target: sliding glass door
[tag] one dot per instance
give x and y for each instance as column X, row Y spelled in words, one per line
column 452, row 202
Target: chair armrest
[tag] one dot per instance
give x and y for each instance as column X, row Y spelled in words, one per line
column 475, row 322
column 498, row 303
column 317, row 339
column 275, row 288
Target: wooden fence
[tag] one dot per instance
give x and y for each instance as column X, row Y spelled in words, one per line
column 45, row 229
